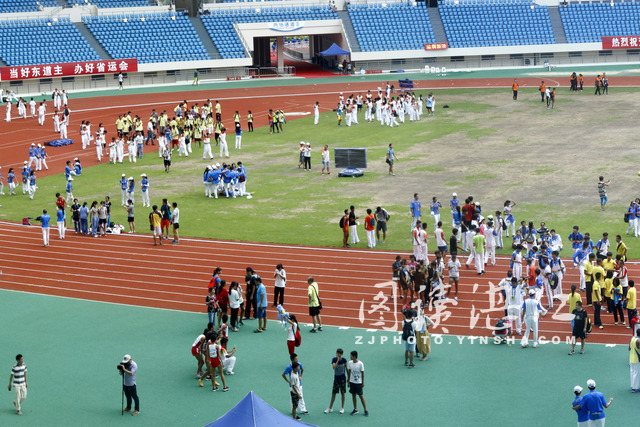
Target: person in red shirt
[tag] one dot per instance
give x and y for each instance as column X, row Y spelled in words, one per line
column 61, row 201
column 222, row 296
column 370, row 227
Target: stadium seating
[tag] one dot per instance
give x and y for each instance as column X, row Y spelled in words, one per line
column 219, row 24
column 42, row 41
column 113, row 3
column 394, row 26
column 478, row 23
column 588, row 22
column 15, row 6
column 151, row 37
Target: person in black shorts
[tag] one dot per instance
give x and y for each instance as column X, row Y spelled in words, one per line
column 579, row 329
column 339, row 365
column 453, row 242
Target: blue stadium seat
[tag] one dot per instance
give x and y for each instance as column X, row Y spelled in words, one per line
column 14, row 51
column 589, row 22
column 151, row 40
column 495, row 23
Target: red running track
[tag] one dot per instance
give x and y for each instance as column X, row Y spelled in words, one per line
column 128, row 269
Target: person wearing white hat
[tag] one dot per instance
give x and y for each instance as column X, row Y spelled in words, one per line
column 216, row 173
column 594, row 403
column 69, row 190
column 131, row 185
column 490, row 236
column 306, row 153
column 123, row 188
column 128, row 368
column 576, row 405
column 531, row 309
column 144, row 189
column 32, row 155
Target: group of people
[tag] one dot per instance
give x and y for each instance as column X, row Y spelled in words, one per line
column 211, row 348
column 374, row 223
column 386, row 109
column 229, row 180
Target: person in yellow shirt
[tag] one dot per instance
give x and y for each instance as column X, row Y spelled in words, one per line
column 573, row 298
column 588, row 277
column 250, row 121
column 154, row 221
column 598, row 268
column 119, row 125
column 608, row 291
column 596, row 297
column 621, row 248
column 631, row 302
column 634, row 362
column 609, row 264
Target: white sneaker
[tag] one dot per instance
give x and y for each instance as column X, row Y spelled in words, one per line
column 342, row 410
column 535, row 344
column 328, row 411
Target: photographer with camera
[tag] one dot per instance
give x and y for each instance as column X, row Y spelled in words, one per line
column 128, row 369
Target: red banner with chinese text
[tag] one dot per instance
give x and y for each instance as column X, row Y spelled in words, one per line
column 436, row 46
column 68, row 69
column 621, row 42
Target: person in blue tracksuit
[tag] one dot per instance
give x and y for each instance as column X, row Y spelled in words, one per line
column 32, row 184
column 25, row 178
column 131, row 186
column 215, row 176
column 123, row 188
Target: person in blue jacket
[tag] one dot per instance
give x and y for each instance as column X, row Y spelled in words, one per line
column 583, row 415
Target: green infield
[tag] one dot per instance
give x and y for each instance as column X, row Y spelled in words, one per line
column 73, row 379
column 482, row 144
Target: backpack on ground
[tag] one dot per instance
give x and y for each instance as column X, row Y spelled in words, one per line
column 298, row 337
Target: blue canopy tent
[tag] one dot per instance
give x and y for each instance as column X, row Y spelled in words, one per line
column 254, row 412
column 334, row 50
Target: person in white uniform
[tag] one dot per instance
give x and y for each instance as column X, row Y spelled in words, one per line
column 207, row 147
column 531, row 309
column 131, row 146
column 514, row 299
column 42, row 109
column 224, row 150
column 227, row 359
column 316, row 113
column 8, row 118
column 120, row 149
column 490, row 236
column 63, row 127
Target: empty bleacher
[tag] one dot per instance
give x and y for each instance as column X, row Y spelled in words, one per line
column 42, row 41
column 393, row 26
column 16, row 6
column 478, row 23
column 589, row 22
column 219, row 23
column 112, row 3
column 151, row 37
